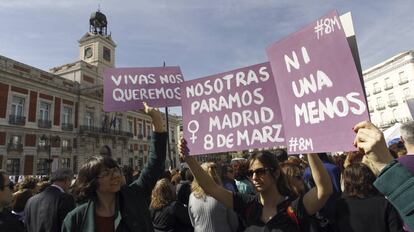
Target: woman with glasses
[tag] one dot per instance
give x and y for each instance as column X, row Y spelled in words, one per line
column 109, row 205
column 272, row 209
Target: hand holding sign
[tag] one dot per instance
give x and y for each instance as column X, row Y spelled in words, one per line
column 157, row 121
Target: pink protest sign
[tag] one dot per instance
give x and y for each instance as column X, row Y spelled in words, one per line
column 126, row 88
column 232, row 111
column 320, row 94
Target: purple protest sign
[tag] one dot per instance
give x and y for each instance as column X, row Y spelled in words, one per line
column 232, row 111
column 320, row 94
column 126, row 88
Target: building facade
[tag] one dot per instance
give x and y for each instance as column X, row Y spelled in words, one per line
column 56, row 119
column 388, row 85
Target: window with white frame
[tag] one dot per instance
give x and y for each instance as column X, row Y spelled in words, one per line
column 407, row 93
column 395, row 114
column 379, row 100
column 388, row 83
column 44, row 111
column 89, row 119
column 67, row 115
column 118, row 123
column 402, row 76
column 391, row 97
column 13, row 166
column 140, row 129
column 130, row 126
column 15, row 139
column 65, row 143
column 17, row 106
column 42, row 166
column 65, row 162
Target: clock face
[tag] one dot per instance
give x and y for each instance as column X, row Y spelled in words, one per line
column 88, row 52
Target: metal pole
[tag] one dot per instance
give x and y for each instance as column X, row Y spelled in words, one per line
column 168, row 137
column 168, row 134
column 50, row 155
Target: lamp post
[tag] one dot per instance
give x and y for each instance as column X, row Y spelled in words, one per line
column 48, row 145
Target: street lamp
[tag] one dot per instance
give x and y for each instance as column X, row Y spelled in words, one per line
column 48, row 145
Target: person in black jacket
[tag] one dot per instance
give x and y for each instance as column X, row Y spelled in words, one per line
column 46, row 210
column 362, row 201
column 8, row 221
column 183, row 189
column 168, row 215
column 108, row 205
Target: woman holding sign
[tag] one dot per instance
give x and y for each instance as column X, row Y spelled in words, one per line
column 109, row 205
column 272, row 209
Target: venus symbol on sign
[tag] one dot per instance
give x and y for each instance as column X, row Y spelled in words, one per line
column 195, row 129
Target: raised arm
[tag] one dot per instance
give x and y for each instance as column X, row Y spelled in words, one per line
column 371, row 140
column 205, row 181
column 316, row 198
column 158, row 150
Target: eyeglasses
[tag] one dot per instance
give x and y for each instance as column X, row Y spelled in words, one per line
column 258, row 172
column 111, row 173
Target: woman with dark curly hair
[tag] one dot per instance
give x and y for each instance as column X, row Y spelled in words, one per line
column 109, row 205
column 362, row 208
column 167, row 214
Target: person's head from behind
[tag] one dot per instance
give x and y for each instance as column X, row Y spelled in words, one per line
column 358, row 181
column 105, row 151
column 294, row 178
column 100, row 174
column 264, row 173
column 29, row 183
column 240, row 172
column 227, row 173
column 20, row 199
column 353, row 157
column 189, row 175
column 162, row 194
column 6, row 187
column 211, row 170
column 62, row 177
column 281, row 155
column 407, row 136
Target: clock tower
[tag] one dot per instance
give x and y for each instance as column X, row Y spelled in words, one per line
column 96, row 47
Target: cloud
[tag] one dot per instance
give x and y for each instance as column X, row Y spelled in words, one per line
column 204, row 37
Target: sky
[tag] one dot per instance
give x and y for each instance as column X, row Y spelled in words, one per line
column 202, row 37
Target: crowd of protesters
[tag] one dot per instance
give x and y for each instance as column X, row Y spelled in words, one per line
column 368, row 190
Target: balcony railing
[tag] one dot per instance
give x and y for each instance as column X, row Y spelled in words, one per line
column 44, row 123
column 17, row 120
column 149, row 137
column 389, row 86
column 377, row 90
column 380, row 107
column 103, row 131
column 392, row 103
column 404, row 81
column 67, row 126
column 140, row 136
column 67, row 149
column 15, row 147
column 42, row 148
